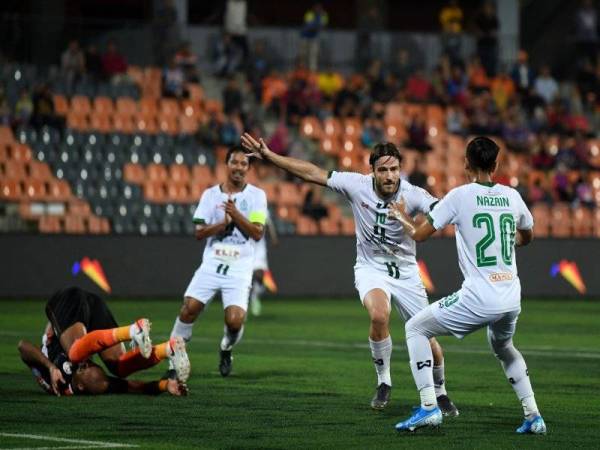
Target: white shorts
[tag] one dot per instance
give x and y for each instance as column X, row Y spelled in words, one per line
column 408, row 294
column 260, row 256
column 454, row 315
column 234, row 290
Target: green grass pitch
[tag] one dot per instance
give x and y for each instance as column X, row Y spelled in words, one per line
column 303, row 378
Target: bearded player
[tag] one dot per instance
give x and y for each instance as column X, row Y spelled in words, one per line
column 386, row 269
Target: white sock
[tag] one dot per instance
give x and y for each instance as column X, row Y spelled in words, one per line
column 257, row 291
column 516, row 371
column 421, row 366
column 381, row 351
column 428, row 398
column 182, row 329
column 133, row 328
column 231, row 338
column 439, row 382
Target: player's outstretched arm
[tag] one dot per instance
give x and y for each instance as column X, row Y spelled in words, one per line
column 419, row 231
column 302, row 169
column 34, row 358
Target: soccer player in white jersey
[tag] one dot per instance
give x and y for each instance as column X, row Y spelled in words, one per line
column 386, row 269
column 231, row 217
column 490, row 220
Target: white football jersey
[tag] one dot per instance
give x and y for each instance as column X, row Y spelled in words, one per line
column 381, row 242
column 231, row 252
column 486, row 218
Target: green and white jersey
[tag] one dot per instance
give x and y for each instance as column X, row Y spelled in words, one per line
column 381, row 243
column 231, row 252
column 486, row 217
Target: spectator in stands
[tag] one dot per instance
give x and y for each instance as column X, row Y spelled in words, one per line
column 313, row 205
column 451, row 17
column 586, row 31
column 72, row 62
column 486, row 31
column 418, row 88
column 478, row 79
column 418, row 134
column 561, row 185
column 43, row 109
column 232, row 129
column 502, row 89
column 545, row 86
column 174, row 81
column 537, row 194
column 114, row 64
column 542, row 159
column 522, row 74
column 228, row 56
column 418, row 177
column 23, row 108
column 515, row 132
column 236, row 26
column 209, row 131
column 584, row 194
column 258, row 68
column 232, row 97
column 372, row 132
column 330, row 83
column 93, row 63
column 279, row 141
column 456, row 121
column 457, row 85
column 315, row 20
column 187, row 61
column 368, row 23
column 566, row 156
column 402, row 66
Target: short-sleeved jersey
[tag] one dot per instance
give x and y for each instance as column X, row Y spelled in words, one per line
column 381, row 243
column 52, row 349
column 486, row 217
column 231, row 252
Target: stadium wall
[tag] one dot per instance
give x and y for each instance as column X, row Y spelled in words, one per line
column 155, row 266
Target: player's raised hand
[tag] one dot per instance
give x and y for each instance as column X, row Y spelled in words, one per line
column 55, row 378
column 397, row 209
column 253, row 147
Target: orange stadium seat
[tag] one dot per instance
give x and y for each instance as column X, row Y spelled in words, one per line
column 195, row 91
column 541, row 218
column 49, row 224
column 329, row 227
column 213, row 106
column 39, row 171
column 191, row 108
column 289, row 194
column 352, row 128
column 123, row 123
column 134, row 173
column 21, row 152
column 202, row 174
column 347, row 226
column 6, row 136
column 104, row 106
column 61, row 105
column 331, row 146
column 169, row 107
column 168, row 124
column 35, row 189
column 148, row 106
column 11, row 190
column 179, row 173
column 145, row 124
column 561, row 225
column 196, row 188
column 177, row 191
column 126, row 105
column 100, row 123
column 188, row 125
column 154, row 191
column 289, row 213
column 306, row 226
column 157, row 172
column 583, row 225
column 80, row 105
column 59, row 190
column 97, row 225
column 77, row 121
column 4, row 150
column 15, row 170
column 74, row 225
column 332, row 127
column 310, row 127
column 596, row 221
column 79, row 208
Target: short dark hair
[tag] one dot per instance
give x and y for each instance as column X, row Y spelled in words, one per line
column 482, row 153
column 384, row 149
column 232, row 150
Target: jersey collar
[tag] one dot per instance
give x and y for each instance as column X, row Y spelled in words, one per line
column 485, row 183
column 242, row 190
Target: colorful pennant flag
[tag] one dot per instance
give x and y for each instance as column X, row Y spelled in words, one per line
column 570, row 272
column 425, row 277
column 93, row 269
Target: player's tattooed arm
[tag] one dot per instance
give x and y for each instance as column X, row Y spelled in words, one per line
column 302, row 169
column 254, row 230
column 34, row 358
column 418, row 230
